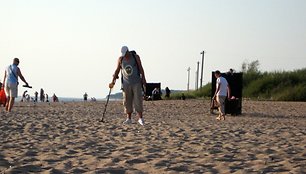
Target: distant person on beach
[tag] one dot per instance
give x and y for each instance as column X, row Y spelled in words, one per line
column 133, row 78
column 231, row 71
column 28, row 98
column 156, row 94
column 85, row 96
column 24, row 95
column 47, row 97
column 54, row 97
column 167, row 92
column 36, row 96
column 222, row 91
column 93, row 99
column 42, row 95
column 2, row 96
column 183, row 96
column 10, row 83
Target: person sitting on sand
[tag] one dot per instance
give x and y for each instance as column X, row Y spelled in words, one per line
column 156, row 94
column 222, row 90
column 24, row 96
column 27, row 98
column 183, row 97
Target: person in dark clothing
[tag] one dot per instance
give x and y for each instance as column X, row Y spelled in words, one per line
column 167, row 92
column 85, row 96
column 42, row 95
column 36, row 96
column 183, row 96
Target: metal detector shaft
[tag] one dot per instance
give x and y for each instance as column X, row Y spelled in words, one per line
column 110, row 90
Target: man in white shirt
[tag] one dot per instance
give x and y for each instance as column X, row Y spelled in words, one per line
column 222, row 91
column 10, row 83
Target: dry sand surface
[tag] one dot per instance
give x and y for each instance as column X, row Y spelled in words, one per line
column 179, row 137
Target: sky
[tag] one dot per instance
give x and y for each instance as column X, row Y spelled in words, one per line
column 69, row 47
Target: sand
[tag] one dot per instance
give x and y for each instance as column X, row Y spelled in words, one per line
column 179, row 137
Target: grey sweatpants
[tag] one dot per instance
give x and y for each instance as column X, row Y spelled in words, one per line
column 132, row 95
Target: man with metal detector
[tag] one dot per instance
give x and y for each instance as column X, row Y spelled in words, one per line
column 133, row 78
column 10, row 83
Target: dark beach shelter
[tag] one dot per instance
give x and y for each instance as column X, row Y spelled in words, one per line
column 233, row 106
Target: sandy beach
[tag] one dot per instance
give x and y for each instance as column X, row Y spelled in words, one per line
column 179, row 137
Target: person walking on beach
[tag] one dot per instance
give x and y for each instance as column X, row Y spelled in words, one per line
column 222, row 90
column 133, row 77
column 10, row 83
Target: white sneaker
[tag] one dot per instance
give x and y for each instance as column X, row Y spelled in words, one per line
column 140, row 121
column 127, row 121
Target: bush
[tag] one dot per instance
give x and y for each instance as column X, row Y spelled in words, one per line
column 296, row 93
column 278, row 85
column 287, row 86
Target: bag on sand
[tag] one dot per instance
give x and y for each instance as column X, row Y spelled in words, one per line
column 2, row 97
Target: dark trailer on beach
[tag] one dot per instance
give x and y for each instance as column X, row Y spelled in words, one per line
column 234, row 80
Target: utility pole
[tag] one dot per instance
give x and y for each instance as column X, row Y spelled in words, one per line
column 196, row 83
column 197, row 76
column 188, row 78
column 201, row 81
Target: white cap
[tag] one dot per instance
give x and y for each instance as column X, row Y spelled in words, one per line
column 124, row 49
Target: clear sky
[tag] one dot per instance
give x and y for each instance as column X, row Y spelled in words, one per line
column 70, row 47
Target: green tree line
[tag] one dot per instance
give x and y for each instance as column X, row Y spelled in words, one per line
column 277, row 85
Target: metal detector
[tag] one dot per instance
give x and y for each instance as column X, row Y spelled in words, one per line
column 102, row 119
